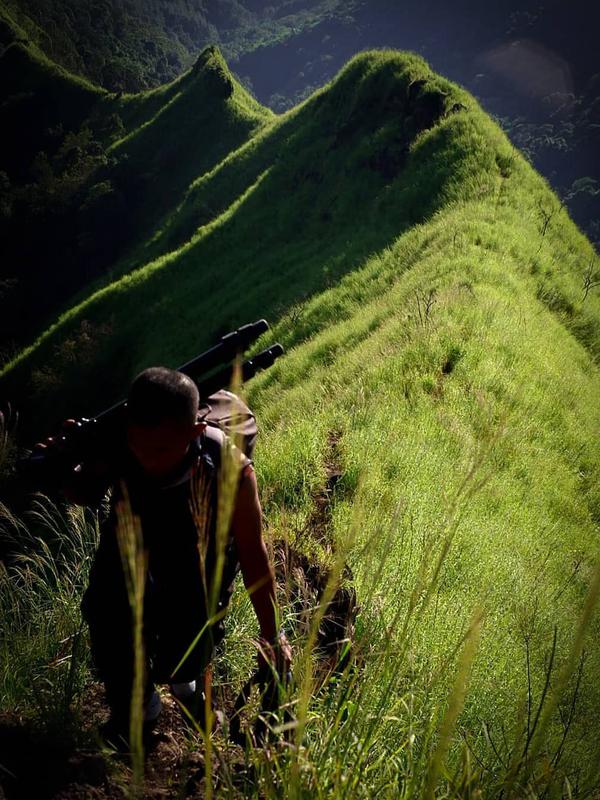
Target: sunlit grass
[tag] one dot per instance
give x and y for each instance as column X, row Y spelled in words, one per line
column 43, row 651
column 387, row 725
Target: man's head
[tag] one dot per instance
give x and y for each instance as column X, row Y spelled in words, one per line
column 162, row 419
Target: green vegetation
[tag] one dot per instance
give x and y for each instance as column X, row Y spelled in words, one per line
column 42, row 649
column 443, row 333
column 283, row 51
column 79, row 161
column 136, row 45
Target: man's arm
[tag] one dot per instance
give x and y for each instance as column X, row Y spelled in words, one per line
column 257, row 571
column 83, row 484
column 252, row 553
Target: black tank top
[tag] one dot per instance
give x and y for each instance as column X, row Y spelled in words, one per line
column 178, row 520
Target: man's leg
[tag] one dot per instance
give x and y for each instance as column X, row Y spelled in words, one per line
column 108, row 615
column 184, row 662
column 195, row 699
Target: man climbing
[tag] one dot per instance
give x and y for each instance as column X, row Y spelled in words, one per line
column 175, row 474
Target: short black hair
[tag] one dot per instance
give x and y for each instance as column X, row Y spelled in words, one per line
column 159, row 394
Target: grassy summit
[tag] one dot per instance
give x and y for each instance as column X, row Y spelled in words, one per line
column 443, row 362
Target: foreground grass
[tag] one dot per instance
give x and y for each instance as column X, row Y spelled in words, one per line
column 411, row 424
column 385, row 726
column 43, row 650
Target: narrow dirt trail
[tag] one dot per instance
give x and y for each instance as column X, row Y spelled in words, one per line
column 302, row 582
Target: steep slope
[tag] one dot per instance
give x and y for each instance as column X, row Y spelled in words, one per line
column 443, row 339
column 79, row 161
column 209, row 116
column 349, row 171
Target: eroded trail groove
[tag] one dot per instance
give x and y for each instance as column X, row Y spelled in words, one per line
column 302, row 581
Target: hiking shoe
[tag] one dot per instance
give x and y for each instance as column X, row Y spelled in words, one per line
column 153, row 708
column 184, row 692
column 114, row 734
column 190, row 706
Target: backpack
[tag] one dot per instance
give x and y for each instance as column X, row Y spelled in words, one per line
column 228, row 413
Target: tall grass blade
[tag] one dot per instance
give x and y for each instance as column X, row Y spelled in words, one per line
column 134, row 561
column 455, row 705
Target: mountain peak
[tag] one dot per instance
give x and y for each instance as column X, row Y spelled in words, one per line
column 211, row 65
column 212, row 52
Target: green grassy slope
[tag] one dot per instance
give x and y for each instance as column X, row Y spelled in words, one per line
column 489, row 381
column 349, row 172
column 80, row 161
column 442, row 356
column 205, row 115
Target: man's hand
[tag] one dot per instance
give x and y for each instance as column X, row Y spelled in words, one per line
column 82, row 484
column 58, row 444
column 274, row 655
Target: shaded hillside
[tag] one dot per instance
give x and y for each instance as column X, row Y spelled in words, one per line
column 442, row 323
column 92, row 173
column 37, row 98
column 138, row 44
column 121, row 46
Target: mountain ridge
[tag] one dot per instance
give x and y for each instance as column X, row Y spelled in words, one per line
column 347, row 121
column 284, row 51
column 442, row 336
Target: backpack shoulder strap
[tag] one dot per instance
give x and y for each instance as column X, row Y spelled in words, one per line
column 213, row 441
